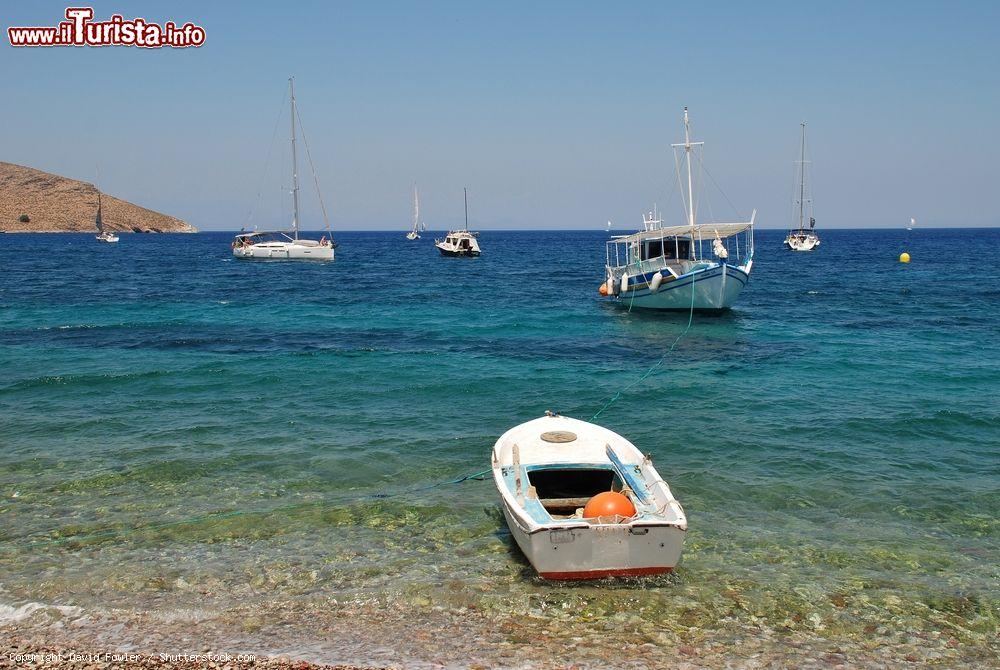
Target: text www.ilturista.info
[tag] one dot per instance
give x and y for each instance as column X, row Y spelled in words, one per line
column 79, row 31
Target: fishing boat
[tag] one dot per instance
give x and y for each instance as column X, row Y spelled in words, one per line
column 802, row 238
column 460, row 242
column 102, row 235
column 414, row 233
column 582, row 502
column 288, row 244
column 667, row 267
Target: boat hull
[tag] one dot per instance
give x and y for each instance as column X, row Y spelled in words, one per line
column 280, row 251
column 714, row 289
column 807, row 243
column 600, row 551
column 460, row 253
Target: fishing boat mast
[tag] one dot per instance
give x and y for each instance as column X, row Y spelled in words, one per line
column 465, row 191
column 295, row 165
column 688, row 146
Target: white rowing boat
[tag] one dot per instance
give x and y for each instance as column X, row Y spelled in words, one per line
column 548, row 471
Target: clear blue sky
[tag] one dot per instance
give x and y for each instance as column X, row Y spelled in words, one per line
column 555, row 114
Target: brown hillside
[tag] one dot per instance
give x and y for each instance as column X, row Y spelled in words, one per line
column 59, row 205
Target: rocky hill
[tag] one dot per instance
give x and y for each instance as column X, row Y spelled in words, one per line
column 54, row 204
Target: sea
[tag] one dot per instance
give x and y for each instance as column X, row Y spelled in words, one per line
column 198, row 452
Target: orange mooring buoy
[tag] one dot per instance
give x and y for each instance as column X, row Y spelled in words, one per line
column 609, row 503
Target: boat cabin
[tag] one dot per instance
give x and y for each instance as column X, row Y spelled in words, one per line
column 462, row 243
column 679, row 249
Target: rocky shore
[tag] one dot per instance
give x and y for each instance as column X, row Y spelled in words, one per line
column 32, row 201
column 18, row 653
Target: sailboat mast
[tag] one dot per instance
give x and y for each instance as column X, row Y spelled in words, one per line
column 416, row 209
column 100, row 219
column 295, row 165
column 802, row 179
column 687, row 149
column 466, row 192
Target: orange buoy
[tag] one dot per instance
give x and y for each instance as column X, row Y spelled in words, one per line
column 604, row 289
column 609, row 503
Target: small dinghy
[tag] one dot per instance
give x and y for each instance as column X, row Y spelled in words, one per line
column 582, row 502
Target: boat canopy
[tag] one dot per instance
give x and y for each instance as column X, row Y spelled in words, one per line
column 702, row 230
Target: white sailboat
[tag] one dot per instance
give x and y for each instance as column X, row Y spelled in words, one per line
column 554, row 473
column 462, row 243
column 913, row 224
column 288, row 244
column 102, row 235
column 803, row 239
column 667, row 267
column 414, row 233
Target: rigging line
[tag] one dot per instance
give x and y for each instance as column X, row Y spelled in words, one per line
column 655, row 366
column 312, row 167
column 122, row 533
column 680, row 185
column 267, row 157
column 716, row 184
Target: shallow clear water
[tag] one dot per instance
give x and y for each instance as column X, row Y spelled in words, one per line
column 180, row 428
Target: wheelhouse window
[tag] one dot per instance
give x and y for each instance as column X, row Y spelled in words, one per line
column 669, row 248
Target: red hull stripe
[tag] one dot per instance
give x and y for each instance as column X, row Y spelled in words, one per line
column 601, row 574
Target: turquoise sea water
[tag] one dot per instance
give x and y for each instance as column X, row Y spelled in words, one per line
column 180, row 428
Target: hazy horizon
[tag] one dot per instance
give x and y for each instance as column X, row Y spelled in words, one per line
column 555, row 116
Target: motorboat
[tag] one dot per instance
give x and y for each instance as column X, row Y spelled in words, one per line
column 460, row 242
column 697, row 266
column 803, row 238
column 550, row 471
column 288, row 245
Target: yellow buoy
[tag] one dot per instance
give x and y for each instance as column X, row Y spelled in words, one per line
column 904, row 257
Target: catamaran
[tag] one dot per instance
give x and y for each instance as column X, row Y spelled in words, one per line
column 803, row 239
column 666, row 267
column 414, row 233
column 288, row 244
column 102, row 235
column 460, row 242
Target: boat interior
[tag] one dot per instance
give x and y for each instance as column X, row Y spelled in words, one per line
column 556, row 493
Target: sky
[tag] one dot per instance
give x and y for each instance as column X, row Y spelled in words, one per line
column 553, row 114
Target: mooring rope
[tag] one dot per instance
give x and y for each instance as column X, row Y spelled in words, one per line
column 645, row 375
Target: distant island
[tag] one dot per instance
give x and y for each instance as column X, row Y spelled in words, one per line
column 32, row 201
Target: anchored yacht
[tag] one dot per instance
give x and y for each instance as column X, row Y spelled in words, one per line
column 803, row 239
column 288, row 244
column 460, row 242
column 102, row 235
